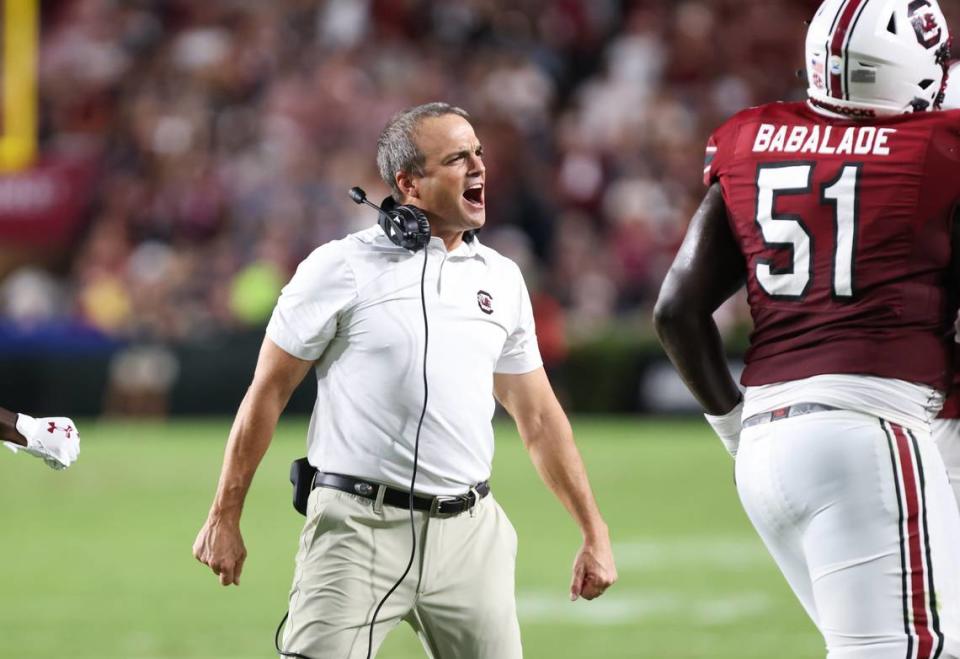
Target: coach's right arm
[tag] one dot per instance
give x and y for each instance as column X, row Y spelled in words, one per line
column 219, row 544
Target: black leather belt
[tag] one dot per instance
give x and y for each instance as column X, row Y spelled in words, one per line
column 786, row 413
column 440, row 505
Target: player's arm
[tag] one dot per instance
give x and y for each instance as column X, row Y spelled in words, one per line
column 8, row 428
column 547, row 435
column 708, row 269
column 219, row 543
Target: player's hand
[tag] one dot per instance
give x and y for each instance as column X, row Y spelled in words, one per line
column 593, row 569
column 219, row 546
column 54, row 439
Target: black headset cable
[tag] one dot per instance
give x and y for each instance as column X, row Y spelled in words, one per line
column 276, row 641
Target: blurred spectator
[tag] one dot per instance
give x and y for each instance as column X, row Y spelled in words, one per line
column 141, row 378
column 30, row 297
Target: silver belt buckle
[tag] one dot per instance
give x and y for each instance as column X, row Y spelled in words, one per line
column 440, row 500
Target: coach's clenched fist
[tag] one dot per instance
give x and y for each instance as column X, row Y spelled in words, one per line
column 593, row 569
column 219, row 545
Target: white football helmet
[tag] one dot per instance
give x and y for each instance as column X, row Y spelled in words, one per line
column 870, row 58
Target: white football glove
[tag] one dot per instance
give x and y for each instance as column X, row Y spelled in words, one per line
column 55, row 439
column 728, row 426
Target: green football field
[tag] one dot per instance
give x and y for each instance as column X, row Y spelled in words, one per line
column 96, row 562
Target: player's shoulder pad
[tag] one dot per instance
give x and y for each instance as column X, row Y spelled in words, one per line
column 949, row 116
column 946, row 135
column 722, row 142
column 943, row 124
column 754, row 113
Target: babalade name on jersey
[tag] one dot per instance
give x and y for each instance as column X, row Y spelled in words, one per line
column 860, row 140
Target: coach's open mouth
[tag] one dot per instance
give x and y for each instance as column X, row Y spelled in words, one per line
column 474, row 195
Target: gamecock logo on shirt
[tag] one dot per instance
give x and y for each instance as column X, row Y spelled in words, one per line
column 485, row 300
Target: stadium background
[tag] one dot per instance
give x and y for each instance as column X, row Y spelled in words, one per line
column 189, row 154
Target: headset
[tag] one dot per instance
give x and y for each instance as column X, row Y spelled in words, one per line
column 406, row 226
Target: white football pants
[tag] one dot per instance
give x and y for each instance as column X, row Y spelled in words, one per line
column 858, row 514
column 946, row 433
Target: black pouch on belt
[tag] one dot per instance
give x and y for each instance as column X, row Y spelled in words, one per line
column 301, row 475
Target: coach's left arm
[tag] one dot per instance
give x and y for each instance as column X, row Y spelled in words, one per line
column 547, row 435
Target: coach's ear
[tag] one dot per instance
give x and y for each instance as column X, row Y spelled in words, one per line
column 407, row 183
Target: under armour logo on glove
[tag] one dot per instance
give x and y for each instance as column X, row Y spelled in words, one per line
column 55, row 440
column 67, row 430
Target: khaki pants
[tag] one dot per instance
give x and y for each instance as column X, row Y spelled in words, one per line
column 458, row 596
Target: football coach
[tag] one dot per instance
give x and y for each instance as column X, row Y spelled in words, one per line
column 410, row 341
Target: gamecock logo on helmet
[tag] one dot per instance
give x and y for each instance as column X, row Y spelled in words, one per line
column 925, row 25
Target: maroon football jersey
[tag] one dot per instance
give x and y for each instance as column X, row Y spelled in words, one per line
column 845, row 230
column 951, row 406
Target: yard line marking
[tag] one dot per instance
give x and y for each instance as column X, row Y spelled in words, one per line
column 649, row 554
column 629, row 608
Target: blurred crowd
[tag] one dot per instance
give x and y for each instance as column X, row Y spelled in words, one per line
column 227, row 132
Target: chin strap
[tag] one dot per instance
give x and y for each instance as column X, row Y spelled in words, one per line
column 943, row 59
column 841, row 111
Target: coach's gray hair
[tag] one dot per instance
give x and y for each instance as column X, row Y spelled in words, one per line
column 397, row 149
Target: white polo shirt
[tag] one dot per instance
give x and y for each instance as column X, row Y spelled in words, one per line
column 354, row 307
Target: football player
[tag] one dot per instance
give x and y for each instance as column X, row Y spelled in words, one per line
column 55, row 440
column 837, row 213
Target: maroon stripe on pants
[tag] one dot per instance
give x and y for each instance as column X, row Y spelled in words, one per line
column 917, row 579
column 836, row 46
